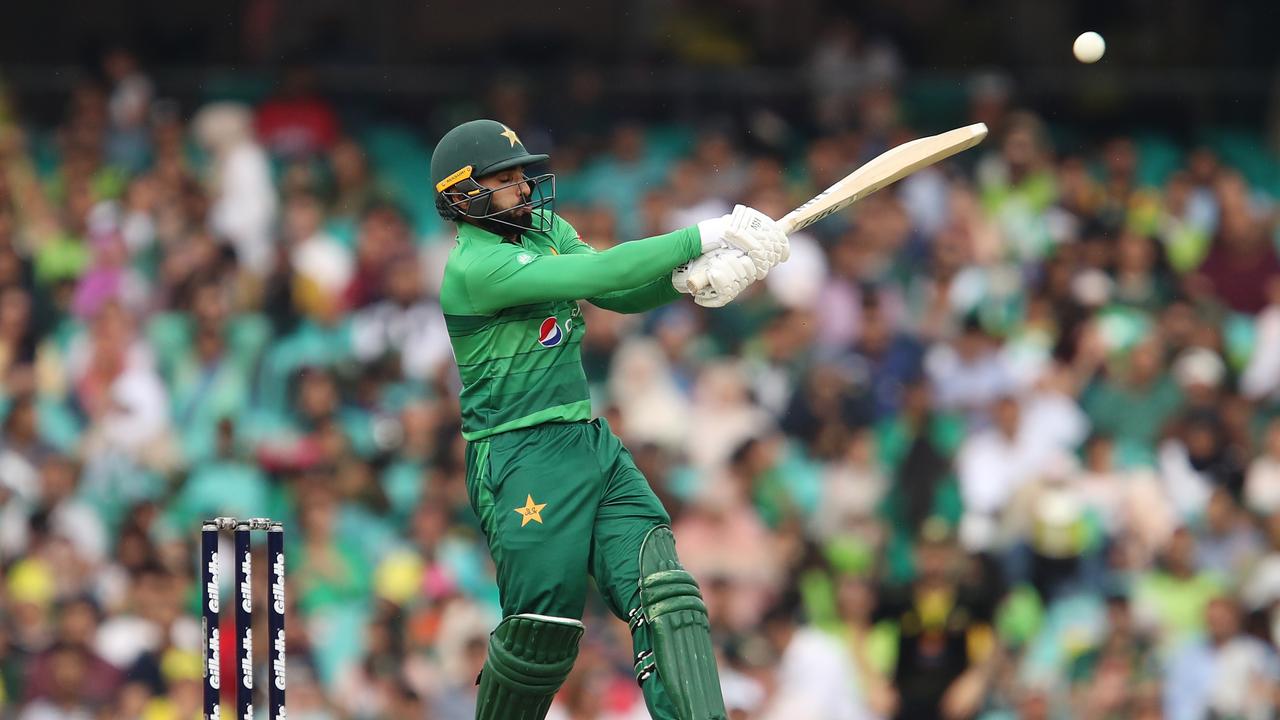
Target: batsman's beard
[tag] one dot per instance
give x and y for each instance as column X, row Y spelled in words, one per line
column 508, row 222
column 520, row 215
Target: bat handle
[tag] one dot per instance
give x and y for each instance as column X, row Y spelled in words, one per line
column 697, row 281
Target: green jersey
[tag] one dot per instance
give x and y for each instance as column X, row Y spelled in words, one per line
column 514, row 321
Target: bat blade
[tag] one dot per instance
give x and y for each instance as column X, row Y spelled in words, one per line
column 886, row 169
column 882, row 171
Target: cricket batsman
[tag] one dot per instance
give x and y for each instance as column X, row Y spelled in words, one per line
column 558, row 496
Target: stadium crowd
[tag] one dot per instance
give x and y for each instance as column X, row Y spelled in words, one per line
column 1001, row 442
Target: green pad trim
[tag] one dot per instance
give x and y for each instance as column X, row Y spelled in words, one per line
column 529, row 658
column 677, row 616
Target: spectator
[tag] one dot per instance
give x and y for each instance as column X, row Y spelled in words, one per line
column 1055, row 548
column 1112, row 677
column 1262, row 480
column 1133, row 400
column 718, row 153
column 314, row 254
column 17, row 332
column 992, row 465
column 125, row 399
column 720, row 536
column 244, row 200
column 843, row 62
column 1241, row 263
column 183, row 675
column 690, row 191
column 151, row 621
column 56, row 501
column 1261, row 377
column 722, row 406
column 852, row 491
column 383, row 236
column 22, row 450
column 1196, row 460
column 129, row 107
column 886, row 357
column 969, row 373
column 813, row 672
column 1139, row 280
column 296, row 121
column 354, row 186
column 1017, row 187
column 1200, row 372
column 1228, row 542
column 1226, row 674
column 651, row 405
column 1130, row 506
column 945, row 637
column 1262, row 589
column 1172, row 599
column 869, row 645
column 109, row 278
column 406, row 323
column 77, row 625
column 67, row 697
column 917, row 447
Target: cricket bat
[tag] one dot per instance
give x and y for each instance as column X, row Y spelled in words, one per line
column 884, row 170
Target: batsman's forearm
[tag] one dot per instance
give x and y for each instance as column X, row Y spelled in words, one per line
column 624, row 267
column 651, row 295
column 574, row 277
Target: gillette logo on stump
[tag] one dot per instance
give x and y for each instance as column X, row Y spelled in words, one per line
column 212, row 589
column 279, row 659
column 246, row 601
column 277, row 584
column 246, row 662
column 213, row 661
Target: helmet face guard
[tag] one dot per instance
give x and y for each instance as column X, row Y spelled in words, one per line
column 468, row 200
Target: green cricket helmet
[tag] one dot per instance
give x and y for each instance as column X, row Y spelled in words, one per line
column 483, row 147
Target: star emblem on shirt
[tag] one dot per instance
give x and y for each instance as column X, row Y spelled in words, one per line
column 531, row 511
column 510, row 134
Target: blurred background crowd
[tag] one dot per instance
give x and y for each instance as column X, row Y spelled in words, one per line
column 1003, row 442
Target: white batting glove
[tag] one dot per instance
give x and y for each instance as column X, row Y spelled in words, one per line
column 724, row 272
column 759, row 236
column 713, row 232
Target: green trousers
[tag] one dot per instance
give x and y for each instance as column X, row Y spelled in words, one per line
column 559, row 502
